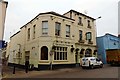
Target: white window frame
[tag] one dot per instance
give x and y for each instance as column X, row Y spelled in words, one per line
column 60, row 53
column 67, row 30
column 44, row 28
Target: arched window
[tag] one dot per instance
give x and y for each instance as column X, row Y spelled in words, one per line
column 88, row 53
column 82, row 53
column 44, row 53
column 95, row 52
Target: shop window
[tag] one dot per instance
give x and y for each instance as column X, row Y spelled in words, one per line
column 88, row 53
column 95, row 52
column 60, row 53
column 44, row 53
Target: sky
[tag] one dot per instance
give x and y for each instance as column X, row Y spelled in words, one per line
column 19, row 12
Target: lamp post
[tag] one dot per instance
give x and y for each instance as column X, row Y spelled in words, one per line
column 14, row 64
column 51, row 53
column 96, row 28
column 95, row 24
column 19, row 52
column 98, row 17
column 51, row 56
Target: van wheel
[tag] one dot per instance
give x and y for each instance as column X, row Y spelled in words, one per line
column 101, row 65
column 83, row 67
column 91, row 66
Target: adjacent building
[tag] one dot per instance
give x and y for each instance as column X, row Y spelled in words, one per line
column 108, row 41
column 52, row 38
column 119, row 20
column 3, row 6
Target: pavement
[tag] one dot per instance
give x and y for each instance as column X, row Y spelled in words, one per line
column 20, row 73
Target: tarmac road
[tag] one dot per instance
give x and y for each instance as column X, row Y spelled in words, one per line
column 107, row 71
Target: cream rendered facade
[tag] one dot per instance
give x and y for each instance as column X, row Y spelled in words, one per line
column 61, row 50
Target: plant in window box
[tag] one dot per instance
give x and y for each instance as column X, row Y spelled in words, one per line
column 72, row 49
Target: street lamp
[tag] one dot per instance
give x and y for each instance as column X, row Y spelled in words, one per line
column 98, row 17
column 95, row 24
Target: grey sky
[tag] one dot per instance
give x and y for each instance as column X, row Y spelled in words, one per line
column 19, row 12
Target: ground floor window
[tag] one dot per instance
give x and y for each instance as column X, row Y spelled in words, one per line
column 88, row 53
column 82, row 53
column 44, row 53
column 60, row 53
column 95, row 52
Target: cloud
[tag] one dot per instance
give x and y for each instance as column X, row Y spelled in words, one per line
column 19, row 12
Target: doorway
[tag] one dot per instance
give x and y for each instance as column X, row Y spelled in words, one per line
column 27, row 55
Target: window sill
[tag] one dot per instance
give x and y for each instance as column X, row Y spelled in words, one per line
column 28, row 40
column 67, row 37
column 58, row 36
column 89, row 27
column 91, row 42
column 81, row 24
column 81, row 41
column 60, row 61
column 44, row 35
column 33, row 38
column 43, row 61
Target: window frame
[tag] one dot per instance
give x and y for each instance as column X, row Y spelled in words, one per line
column 68, row 31
column 44, row 28
column 60, row 53
column 80, row 35
column 88, row 24
column 89, row 36
column 28, row 32
column 57, row 29
column 43, row 56
column 34, row 31
column 80, row 20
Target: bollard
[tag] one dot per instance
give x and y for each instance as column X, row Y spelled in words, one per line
column 14, row 69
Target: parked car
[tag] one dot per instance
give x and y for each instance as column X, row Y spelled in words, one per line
column 91, row 62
